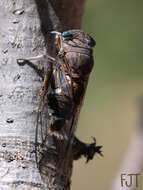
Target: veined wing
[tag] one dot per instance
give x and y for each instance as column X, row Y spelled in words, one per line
column 42, row 121
column 55, row 105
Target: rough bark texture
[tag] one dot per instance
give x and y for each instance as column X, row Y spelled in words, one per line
column 24, row 32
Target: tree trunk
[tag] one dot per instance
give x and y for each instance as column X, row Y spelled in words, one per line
column 25, row 32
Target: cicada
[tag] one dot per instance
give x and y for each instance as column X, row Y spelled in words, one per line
column 64, row 87
column 68, row 81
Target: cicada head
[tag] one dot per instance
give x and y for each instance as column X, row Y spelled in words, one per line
column 75, row 38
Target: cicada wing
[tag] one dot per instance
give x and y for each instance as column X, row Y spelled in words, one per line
column 42, row 124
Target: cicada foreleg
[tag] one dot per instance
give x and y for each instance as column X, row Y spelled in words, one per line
column 32, row 62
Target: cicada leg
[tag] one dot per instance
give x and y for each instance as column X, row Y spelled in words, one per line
column 80, row 149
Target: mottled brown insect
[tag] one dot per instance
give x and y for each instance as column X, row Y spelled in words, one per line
column 63, row 91
column 69, row 79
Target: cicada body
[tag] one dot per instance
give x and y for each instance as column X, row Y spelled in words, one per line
column 70, row 78
column 62, row 95
column 68, row 82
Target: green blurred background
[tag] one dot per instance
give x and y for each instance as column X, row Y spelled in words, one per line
column 110, row 110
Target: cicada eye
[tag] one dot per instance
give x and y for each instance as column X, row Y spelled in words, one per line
column 91, row 42
column 67, row 35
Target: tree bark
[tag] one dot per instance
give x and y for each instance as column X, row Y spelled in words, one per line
column 25, row 32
